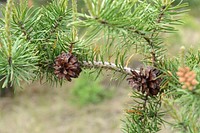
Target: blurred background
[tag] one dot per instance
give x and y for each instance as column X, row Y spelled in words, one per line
column 84, row 105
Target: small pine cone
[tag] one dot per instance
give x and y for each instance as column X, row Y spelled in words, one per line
column 187, row 77
column 146, row 81
column 67, row 66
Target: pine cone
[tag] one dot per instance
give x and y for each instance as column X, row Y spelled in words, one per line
column 67, row 66
column 146, row 81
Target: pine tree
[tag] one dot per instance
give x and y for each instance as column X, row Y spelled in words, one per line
column 56, row 42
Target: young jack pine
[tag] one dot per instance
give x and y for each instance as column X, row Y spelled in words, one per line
column 57, row 41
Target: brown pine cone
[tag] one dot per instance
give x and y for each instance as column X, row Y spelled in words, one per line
column 67, row 66
column 146, row 81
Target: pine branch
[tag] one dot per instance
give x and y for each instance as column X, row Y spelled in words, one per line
column 99, row 64
column 153, row 53
column 53, row 28
column 107, row 65
column 144, row 116
column 104, row 22
column 55, row 18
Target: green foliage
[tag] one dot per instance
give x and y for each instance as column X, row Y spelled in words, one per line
column 46, row 31
column 187, row 112
column 51, row 34
column 118, row 25
column 145, row 116
column 22, row 65
column 87, row 90
column 18, row 59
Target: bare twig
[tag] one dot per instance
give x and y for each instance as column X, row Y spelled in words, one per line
column 107, row 65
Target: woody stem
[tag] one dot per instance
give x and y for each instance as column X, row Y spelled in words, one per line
column 108, row 65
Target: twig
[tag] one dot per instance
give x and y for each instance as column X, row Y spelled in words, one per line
column 152, row 35
column 104, row 22
column 53, row 28
column 107, row 65
column 25, row 33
